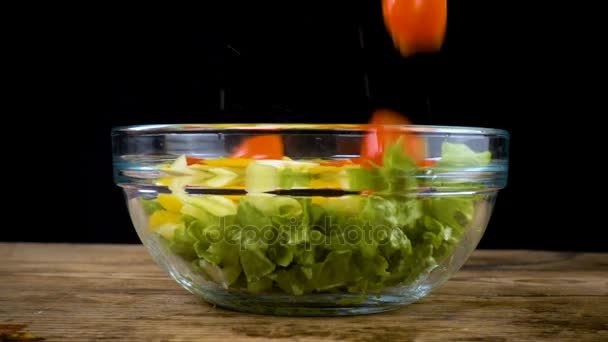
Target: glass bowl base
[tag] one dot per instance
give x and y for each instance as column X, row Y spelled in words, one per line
column 338, row 304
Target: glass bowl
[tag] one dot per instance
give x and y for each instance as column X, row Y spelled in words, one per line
column 310, row 219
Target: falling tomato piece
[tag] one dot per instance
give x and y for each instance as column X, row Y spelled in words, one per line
column 426, row 163
column 416, row 25
column 388, row 117
column 386, row 129
column 260, row 147
column 413, row 145
column 192, row 160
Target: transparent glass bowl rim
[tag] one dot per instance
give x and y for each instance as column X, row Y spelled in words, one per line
column 286, row 128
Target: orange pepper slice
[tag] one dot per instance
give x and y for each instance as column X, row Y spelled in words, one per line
column 416, row 25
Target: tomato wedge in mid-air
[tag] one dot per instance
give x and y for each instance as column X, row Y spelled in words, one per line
column 416, row 25
column 192, row 160
column 426, row 163
column 260, row 147
column 384, row 132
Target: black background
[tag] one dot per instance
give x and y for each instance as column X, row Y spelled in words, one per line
column 305, row 62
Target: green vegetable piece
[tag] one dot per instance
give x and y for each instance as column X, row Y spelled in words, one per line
column 456, row 212
column 260, row 177
column 218, row 206
column 333, row 272
column 183, row 244
column 255, row 264
column 291, row 179
column 150, row 205
column 399, row 170
column 202, row 252
column 224, row 275
column 260, row 285
column 305, row 254
column 294, row 280
column 460, row 155
column 280, row 254
column 360, row 179
column 396, row 158
column 271, row 205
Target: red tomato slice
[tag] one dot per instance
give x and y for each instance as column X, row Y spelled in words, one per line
column 416, row 25
column 260, row 147
column 426, row 163
column 192, row 160
column 388, row 117
column 383, row 134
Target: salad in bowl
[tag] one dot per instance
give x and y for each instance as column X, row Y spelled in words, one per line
column 310, row 219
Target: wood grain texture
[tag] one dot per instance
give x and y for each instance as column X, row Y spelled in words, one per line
column 111, row 292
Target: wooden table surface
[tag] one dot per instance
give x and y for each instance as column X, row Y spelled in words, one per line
column 63, row 292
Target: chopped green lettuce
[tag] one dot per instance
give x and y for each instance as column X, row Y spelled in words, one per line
column 460, row 155
column 355, row 243
column 149, row 205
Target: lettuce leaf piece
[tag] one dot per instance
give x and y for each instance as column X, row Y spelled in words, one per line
column 305, row 254
column 227, row 252
column 396, row 173
column 396, row 241
column 398, row 170
column 382, row 218
column 201, row 249
column 251, row 215
column 315, row 214
column 294, row 226
column 379, row 212
column 197, row 213
column 368, row 274
column 215, row 247
column 254, row 226
column 280, row 254
column 271, row 205
column 460, row 155
column 291, row 179
column 409, row 268
column 260, row 177
column 409, row 211
column 255, row 264
column 220, row 261
column 215, row 205
column 225, row 275
column 260, row 285
column 333, row 272
column 182, row 244
column 345, row 205
column 455, row 212
column 149, row 205
column 221, row 177
column 294, row 280
column 396, row 158
column 360, row 179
